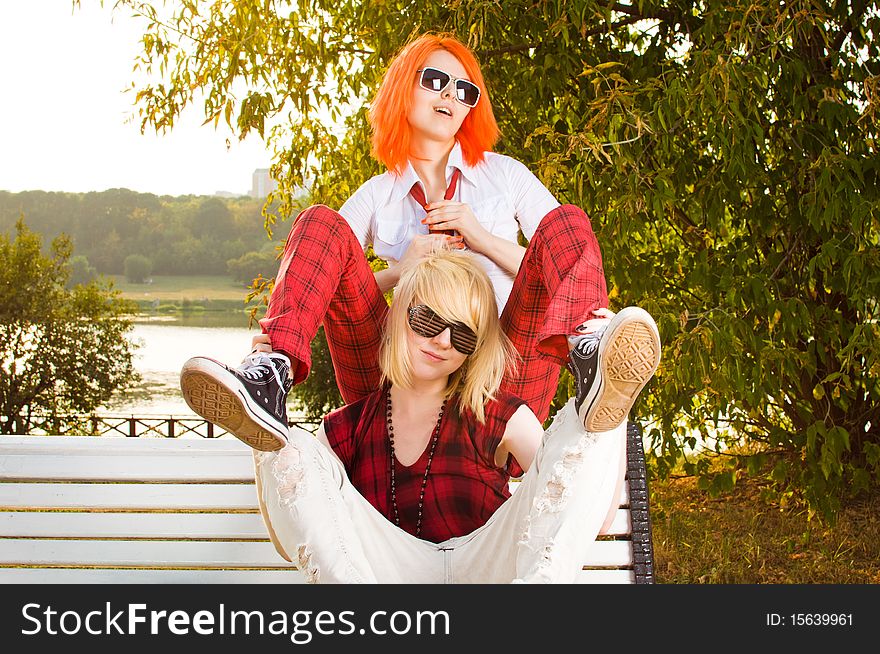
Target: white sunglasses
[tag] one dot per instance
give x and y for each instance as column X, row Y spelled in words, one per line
column 434, row 79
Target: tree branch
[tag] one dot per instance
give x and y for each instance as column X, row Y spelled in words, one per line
column 858, row 10
column 794, row 243
column 528, row 46
column 629, row 10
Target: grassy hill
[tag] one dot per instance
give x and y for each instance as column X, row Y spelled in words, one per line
column 209, row 292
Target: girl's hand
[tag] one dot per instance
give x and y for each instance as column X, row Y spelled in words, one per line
column 602, row 316
column 459, row 216
column 423, row 245
column 261, row 343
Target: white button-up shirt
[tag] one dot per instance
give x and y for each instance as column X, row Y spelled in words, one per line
column 503, row 194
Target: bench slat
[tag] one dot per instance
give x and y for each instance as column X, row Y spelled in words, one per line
column 117, row 445
column 128, row 464
column 183, row 526
column 623, row 500
column 605, row 577
column 111, row 576
column 194, row 497
column 74, row 458
column 621, row 525
column 113, row 487
column 155, row 554
column 180, row 526
column 609, row 553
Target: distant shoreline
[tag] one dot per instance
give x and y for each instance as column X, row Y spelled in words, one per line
column 184, row 293
column 169, row 288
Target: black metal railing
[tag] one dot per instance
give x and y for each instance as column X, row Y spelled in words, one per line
column 132, row 426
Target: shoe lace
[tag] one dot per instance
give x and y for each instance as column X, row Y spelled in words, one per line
column 588, row 342
column 256, row 363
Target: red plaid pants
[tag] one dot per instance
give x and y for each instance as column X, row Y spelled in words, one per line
column 324, row 277
column 559, row 284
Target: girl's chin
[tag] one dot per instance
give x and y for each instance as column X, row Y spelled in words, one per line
column 429, row 373
column 436, row 131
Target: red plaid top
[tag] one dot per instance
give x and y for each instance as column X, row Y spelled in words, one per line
column 464, row 487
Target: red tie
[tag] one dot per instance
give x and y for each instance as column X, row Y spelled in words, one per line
column 419, row 196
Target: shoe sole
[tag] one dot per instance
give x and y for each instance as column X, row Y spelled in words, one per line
column 209, row 391
column 628, row 356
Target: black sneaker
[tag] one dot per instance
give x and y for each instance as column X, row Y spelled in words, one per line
column 612, row 365
column 250, row 401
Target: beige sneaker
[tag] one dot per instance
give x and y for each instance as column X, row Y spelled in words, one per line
column 612, row 366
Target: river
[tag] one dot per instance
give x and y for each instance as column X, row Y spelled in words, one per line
column 164, row 343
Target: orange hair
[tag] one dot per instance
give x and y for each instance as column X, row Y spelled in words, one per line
column 391, row 106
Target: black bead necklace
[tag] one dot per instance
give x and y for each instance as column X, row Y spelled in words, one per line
column 434, row 438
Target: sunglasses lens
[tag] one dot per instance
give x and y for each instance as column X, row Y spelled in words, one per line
column 424, row 322
column 434, row 80
column 463, row 339
column 467, row 93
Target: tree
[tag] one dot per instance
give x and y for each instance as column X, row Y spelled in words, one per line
column 726, row 152
column 62, row 351
column 137, row 268
column 213, row 219
column 318, row 394
column 81, row 271
column 252, row 265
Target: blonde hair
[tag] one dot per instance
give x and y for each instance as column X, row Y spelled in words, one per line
column 455, row 286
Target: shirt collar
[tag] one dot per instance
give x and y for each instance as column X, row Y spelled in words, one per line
column 456, row 161
column 404, row 182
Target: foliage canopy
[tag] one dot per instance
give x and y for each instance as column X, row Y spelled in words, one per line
column 186, row 235
column 137, row 268
column 726, row 152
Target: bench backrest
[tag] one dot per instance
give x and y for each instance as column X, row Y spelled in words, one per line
column 85, row 509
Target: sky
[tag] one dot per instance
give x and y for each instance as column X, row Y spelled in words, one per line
column 66, row 125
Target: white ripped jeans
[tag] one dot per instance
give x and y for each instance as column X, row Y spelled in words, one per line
column 541, row 534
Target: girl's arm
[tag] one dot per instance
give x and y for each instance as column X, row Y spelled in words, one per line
column 322, row 439
column 522, row 436
column 531, row 199
column 387, row 279
column 358, row 212
column 505, row 254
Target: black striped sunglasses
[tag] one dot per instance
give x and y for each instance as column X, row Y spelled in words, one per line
column 424, row 321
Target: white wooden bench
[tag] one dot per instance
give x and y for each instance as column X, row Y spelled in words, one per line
column 86, row 509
